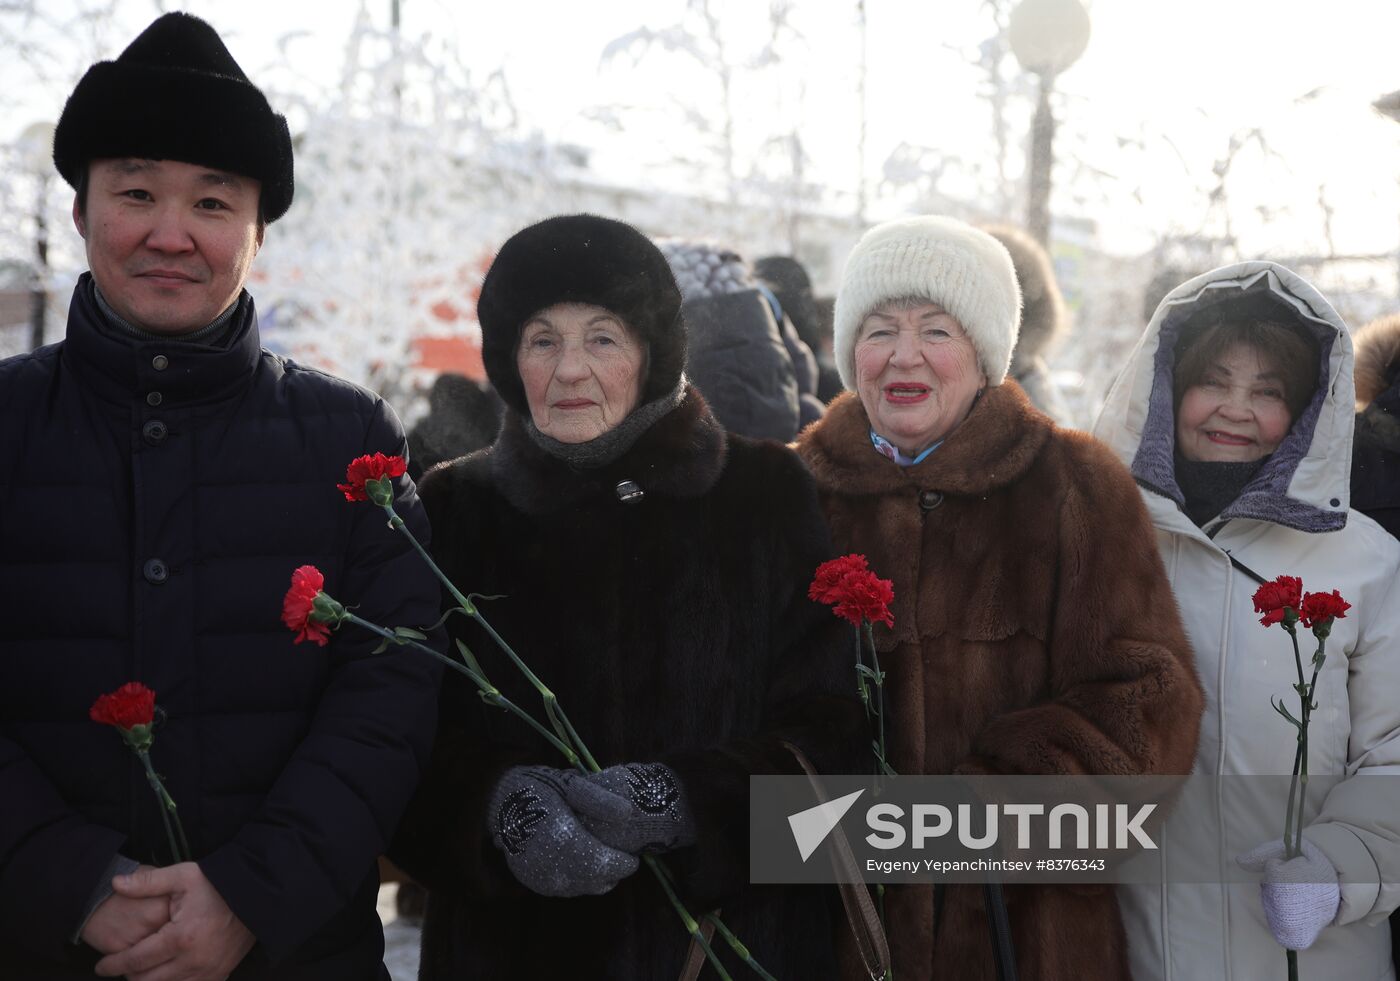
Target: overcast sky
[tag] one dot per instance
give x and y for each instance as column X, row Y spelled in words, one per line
column 1145, row 113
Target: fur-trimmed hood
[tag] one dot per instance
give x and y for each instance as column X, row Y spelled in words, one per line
column 1305, row 483
column 1377, row 358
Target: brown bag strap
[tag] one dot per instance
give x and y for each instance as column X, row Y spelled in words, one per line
column 861, row 915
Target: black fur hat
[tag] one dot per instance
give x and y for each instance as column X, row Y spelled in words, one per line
column 581, row 259
column 176, row 93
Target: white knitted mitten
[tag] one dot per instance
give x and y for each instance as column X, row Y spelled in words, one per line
column 1300, row 895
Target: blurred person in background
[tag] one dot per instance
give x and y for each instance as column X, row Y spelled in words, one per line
column 1045, row 321
column 1375, row 462
column 736, row 353
column 463, row 416
column 790, row 288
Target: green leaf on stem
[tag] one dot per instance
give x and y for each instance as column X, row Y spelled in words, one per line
column 383, row 646
column 409, row 634
column 468, row 657
column 876, row 676
column 1283, row 711
column 443, row 619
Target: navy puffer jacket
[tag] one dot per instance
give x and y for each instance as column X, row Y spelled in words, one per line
column 154, row 498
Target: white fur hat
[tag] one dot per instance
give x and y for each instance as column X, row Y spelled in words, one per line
column 963, row 269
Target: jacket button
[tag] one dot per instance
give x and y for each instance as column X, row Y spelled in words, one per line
column 154, row 432
column 155, row 572
column 160, row 362
column 153, row 398
column 928, row 500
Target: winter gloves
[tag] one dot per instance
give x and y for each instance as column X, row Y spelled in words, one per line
column 547, row 849
column 567, row 834
column 1300, row 895
column 635, row 808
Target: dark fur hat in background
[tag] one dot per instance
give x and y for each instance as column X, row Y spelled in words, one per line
column 581, row 259
column 1043, row 315
column 176, row 93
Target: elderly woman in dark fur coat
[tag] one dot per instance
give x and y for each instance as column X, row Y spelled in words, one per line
column 1034, row 627
column 653, row 572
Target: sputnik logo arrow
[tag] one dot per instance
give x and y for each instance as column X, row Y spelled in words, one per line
column 810, row 827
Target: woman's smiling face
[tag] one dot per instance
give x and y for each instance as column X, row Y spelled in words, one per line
column 1237, row 412
column 916, row 373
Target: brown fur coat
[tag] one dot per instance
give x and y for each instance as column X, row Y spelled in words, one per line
column 1035, row 633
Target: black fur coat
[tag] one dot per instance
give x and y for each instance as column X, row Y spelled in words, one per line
column 674, row 628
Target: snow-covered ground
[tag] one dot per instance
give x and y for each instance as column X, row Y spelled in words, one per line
column 400, row 937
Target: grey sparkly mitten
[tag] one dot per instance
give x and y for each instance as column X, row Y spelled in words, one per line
column 634, row 807
column 546, row 847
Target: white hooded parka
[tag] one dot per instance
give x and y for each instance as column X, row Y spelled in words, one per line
column 1291, row 519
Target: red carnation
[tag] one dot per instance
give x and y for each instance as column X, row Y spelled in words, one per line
column 1320, row 609
column 131, row 705
column 299, row 606
column 1277, row 599
column 854, row 592
column 371, row 469
column 827, row 582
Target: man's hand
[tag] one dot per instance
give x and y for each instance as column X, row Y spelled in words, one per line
column 120, row 922
column 203, row 941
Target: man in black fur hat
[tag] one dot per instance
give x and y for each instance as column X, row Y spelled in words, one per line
column 160, row 478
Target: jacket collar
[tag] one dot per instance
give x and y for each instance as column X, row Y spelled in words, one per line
column 680, row 456
column 119, row 368
column 1304, row 485
column 995, row 445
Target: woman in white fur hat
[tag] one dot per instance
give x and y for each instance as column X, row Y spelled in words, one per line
column 1034, row 628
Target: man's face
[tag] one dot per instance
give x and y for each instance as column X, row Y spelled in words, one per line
column 169, row 244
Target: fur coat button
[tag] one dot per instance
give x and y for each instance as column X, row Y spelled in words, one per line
column 628, row 492
column 928, row 500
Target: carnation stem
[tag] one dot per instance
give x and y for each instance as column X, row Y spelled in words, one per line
column 397, row 524
column 879, row 696
column 691, row 927
column 737, row 946
column 1292, row 825
column 489, row 692
column 168, row 815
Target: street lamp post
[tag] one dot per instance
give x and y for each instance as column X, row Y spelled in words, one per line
column 1047, row 36
column 36, row 151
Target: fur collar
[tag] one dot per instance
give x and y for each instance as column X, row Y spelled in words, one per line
column 1377, row 358
column 994, row 446
column 681, row 456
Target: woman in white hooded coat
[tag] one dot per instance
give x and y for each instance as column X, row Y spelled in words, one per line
column 1287, row 515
